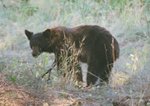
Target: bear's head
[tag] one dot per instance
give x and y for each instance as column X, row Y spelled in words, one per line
column 39, row 42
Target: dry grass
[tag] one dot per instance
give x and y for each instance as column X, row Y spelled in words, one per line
column 70, row 64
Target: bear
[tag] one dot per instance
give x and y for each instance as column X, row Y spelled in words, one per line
column 98, row 49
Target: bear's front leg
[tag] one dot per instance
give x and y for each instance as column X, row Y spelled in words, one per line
column 49, row 71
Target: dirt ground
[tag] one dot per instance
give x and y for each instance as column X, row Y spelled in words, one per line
column 13, row 95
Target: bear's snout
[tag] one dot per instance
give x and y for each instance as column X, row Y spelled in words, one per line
column 34, row 54
column 35, row 51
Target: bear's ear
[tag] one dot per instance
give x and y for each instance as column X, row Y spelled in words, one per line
column 28, row 34
column 47, row 33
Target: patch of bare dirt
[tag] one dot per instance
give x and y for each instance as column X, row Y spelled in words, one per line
column 13, row 95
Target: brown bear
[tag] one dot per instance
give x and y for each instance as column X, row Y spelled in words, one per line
column 98, row 51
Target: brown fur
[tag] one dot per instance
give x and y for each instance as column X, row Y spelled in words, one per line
column 99, row 48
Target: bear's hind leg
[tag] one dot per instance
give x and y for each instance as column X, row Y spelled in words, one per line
column 92, row 75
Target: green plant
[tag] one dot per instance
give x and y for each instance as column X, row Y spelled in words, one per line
column 12, row 78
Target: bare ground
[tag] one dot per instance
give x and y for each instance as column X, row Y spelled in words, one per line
column 14, row 95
